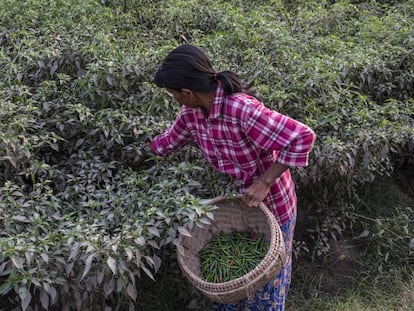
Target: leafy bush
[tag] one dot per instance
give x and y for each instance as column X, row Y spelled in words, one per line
column 101, row 232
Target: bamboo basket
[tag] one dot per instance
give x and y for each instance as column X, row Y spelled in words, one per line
column 231, row 215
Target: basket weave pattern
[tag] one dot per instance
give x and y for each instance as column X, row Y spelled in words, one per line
column 233, row 215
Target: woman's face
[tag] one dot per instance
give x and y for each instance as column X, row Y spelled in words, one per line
column 184, row 97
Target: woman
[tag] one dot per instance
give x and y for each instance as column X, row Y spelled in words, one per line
column 239, row 136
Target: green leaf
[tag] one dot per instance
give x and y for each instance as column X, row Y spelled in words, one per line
column 205, row 221
column 153, row 244
column 210, row 215
column 45, row 257
column 25, row 297
column 53, row 293
column 3, row 266
column 109, row 287
column 5, row 288
column 154, row 231
column 111, row 262
column 157, row 262
column 184, row 231
column 17, row 261
column 88, row 263
column 132, row 291
column 21, row 218
column 147, row 272
column 44, row 299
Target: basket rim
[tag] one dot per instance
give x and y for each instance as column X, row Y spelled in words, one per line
column 252, row 275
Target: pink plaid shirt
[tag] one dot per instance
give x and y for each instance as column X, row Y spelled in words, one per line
column 242, row 137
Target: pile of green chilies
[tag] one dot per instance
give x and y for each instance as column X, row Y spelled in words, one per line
column 229, row 256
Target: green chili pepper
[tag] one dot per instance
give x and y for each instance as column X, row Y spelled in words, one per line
column 229, row 256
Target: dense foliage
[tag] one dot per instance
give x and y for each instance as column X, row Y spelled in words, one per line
column 84, row 211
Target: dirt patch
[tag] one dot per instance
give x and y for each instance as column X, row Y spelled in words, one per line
column 329, row 274
column 339, row 266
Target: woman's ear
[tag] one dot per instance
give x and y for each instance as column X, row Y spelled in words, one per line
column 189, row 96
column 187, row 92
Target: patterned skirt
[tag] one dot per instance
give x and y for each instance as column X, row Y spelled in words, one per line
column 274, row 293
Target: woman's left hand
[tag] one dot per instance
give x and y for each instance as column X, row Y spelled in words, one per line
column 259, row 190
column 256, row 193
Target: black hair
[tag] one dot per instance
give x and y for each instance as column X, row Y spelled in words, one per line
column 188, row 67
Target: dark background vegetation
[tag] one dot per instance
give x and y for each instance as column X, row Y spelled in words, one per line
column 88, row 219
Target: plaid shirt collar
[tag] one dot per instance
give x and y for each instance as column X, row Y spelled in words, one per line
column 216, row 107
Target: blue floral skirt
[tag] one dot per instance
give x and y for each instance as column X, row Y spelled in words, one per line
column 274, row 293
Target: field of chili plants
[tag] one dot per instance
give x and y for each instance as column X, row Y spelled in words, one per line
column 88, row 217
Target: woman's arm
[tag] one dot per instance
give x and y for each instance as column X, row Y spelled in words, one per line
column 258, row 191
column 271, row 130
column 175, row 137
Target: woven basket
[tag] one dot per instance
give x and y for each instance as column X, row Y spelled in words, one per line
column 233, row 215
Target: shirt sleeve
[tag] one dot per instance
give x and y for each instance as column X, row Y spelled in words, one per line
column 271, row 130
column 175, row 137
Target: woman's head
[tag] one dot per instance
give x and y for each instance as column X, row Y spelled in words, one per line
column 188, row 67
